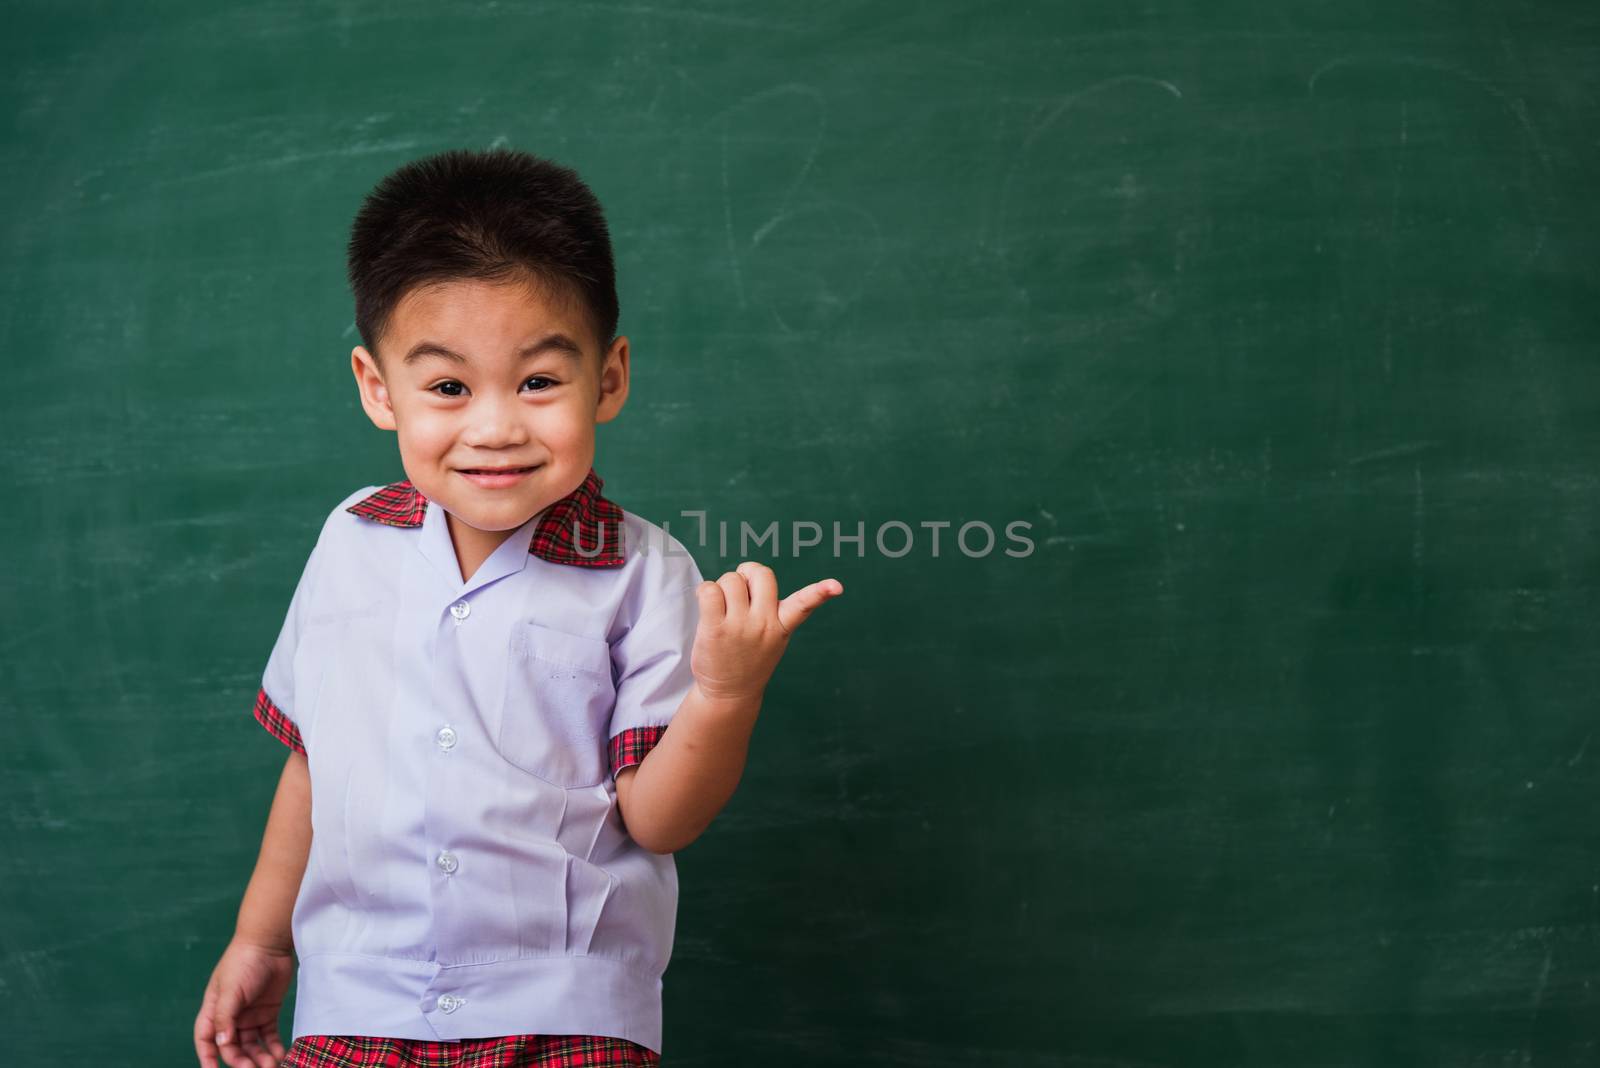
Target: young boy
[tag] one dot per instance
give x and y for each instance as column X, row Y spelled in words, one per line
column 470, row 847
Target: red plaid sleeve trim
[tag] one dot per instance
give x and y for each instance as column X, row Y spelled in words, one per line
column 509, row 1051
column 632, row 745
column 279, row 725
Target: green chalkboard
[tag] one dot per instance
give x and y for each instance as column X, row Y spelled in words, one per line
column 1271, row 741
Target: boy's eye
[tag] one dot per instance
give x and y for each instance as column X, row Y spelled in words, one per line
column 452, row 388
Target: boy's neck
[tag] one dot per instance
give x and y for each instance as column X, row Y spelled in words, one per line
column 473, row 546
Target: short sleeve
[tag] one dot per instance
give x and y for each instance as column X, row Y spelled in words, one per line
column 653, row 676
column 274, row 707
column 275, row 699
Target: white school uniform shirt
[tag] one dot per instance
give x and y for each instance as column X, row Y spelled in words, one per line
column 469, row 874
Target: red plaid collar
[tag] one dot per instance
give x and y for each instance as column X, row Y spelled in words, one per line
column 582, row 528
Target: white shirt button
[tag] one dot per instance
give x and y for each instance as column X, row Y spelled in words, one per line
column 461, row 610
column 448, row 864
column 446, row 738
column 450, row 1003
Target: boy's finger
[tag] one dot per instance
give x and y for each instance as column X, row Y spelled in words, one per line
column 205, row 1034
column 248, row 1046
column 227, row 1037
column 237, row 1057
column 763, row 587
column 274, row 1043
column 250, row 1042
column 736, row 593
column 205, row 1046
column 713, row 606
column 794, row 609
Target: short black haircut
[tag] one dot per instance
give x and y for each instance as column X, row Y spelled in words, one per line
column 498, row 215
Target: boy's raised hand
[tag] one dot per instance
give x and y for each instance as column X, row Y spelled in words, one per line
column 744, row 629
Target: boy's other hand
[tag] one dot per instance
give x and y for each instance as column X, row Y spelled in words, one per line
column 238, row 1020
column 744, row 629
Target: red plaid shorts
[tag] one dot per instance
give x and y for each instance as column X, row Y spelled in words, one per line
column 511, row 1051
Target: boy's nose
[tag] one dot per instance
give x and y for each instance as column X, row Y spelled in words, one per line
column 494, row 423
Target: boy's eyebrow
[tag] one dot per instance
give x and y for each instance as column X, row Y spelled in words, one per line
column 549, row 343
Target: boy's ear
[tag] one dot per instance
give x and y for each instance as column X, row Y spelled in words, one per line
column 374, row 394
column 613, row 381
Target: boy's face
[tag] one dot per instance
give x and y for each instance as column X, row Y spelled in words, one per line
column 526, row 392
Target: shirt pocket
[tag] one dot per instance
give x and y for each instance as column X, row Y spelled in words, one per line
column 558, row 703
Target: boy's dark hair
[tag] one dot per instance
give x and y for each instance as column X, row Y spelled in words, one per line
column 496, row 215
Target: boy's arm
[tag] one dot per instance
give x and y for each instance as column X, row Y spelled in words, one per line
column 686, row 779
column 238, row 1020
column 692, row 772
column 268, row 903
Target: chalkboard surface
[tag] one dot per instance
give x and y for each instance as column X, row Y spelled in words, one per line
column 1270, row 742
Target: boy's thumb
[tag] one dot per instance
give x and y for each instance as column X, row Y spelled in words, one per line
column 227, row 1009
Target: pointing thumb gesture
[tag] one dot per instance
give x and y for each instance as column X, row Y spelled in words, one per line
column 793, row 609
column 744, row 629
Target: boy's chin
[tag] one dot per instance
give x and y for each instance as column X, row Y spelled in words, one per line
column 496, row 519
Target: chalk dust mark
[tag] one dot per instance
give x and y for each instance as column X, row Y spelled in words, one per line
column 1404, row 449
column 1538, row 999
column 864, row 269
column 1061, row 107
column 361, row 148
column 29, row 957
column 782, row 210
column 727, row 224
column 1068, row 101
column 818, row 135
column 689, row 14
column 1389, row 246
column 1418, row 514
column 1515, row 106
column 128, row 599
column 1100, row 499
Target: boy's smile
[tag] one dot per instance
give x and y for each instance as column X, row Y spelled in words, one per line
column 494, row 391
